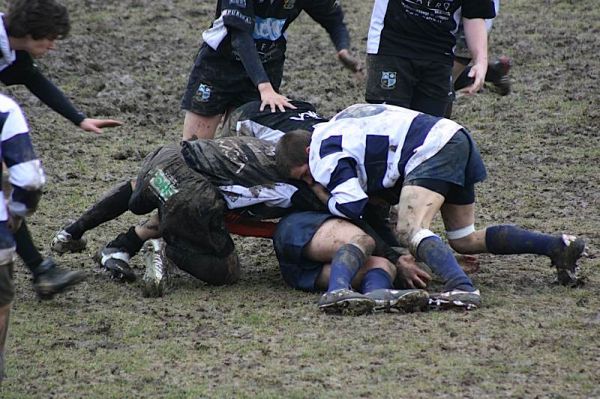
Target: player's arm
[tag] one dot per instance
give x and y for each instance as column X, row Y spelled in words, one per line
column 23, row 71
column 347, row 198
column 329, row 14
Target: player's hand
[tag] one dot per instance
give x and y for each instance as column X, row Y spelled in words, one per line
column 351, row 63
column 477, row 74
column 414, row 276
column 275, row 101
column 96, row 125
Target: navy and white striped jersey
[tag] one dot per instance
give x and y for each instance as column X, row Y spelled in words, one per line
column 25, row 170
column 366, row 148
column 267, row 21
column 421, row 29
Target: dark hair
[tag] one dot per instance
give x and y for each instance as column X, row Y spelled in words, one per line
column 291, row 151
column 41, row 19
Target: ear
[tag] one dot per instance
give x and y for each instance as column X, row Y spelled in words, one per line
column 307, row 150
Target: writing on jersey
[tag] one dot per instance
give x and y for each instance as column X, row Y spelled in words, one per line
column 366, row 148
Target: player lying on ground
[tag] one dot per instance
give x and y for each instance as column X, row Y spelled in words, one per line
column 27, row 178
column 237, row 173
column 435, row 164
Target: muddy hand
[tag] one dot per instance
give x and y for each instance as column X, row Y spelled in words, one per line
column 351, row 63
column 275, row 101
column 96, row 125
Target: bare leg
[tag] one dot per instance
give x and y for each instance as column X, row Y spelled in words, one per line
column 149, row 228
column 4, row 320
column 199, row 127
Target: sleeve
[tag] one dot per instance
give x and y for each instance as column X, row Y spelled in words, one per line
column 347, row 199
column 243, row 45
column 329, row 14
column 23, row 71
column 484, row 9
column 238, row 14
column 25, row 170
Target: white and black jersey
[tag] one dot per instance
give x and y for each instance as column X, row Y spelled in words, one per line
column 268, row 20
column 367, row 148
column 270, row 126
column 421, row 29
column 25, row 170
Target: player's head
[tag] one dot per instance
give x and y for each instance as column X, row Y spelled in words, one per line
column 39, row 22
column 291, row 155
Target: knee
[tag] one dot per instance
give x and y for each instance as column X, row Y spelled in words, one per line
column 365, row 242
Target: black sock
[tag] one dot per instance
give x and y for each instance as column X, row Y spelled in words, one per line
column 129, row 242
column 26, row 249
column 113, row 204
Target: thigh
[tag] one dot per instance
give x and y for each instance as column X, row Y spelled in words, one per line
column 330, row 236
column 456, row 217
column 390, row 80
column 434, row 92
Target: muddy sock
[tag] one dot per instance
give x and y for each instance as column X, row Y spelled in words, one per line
column 442, row 262
column 129, row 242
column 508, row 240
column 113, row 204
column 26, row 249
column 375, row 279
column 344, row 266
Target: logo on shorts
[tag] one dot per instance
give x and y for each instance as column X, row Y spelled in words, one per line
column 289, row 4
column 388, row 80
column 163, row 185
column 203, row 93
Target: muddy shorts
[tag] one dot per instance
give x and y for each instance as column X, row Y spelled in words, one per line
column 292, row 235
column 216, row 83
column 453, row 171
column 190, row 209
column 424, row 86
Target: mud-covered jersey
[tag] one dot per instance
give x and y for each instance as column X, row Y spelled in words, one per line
column 368, row 148
column 243, row 169
column 421, row 29
column 249, row 120
column 267, row 21
column 25, row 169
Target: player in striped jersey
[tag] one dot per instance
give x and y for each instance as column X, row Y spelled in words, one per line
column 435, row 164
column 27, row 178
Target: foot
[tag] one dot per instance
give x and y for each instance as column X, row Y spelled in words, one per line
column 116, row 262
column 345, row 301
column 455, row 299
column 406, row 301
column 54, row 280
column 499, row 71
column 156, row 275
column 566, row 261
column 63, row 242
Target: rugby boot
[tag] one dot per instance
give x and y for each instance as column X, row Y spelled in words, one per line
column 566, row 261
column 51, row 279
column 157, row 265
column 455, row 299
column 497, row 75
column 116, row 262
column 405, row 301
column 346, row 302
column 63, row 242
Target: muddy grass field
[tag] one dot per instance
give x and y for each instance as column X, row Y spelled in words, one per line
column 129, row 60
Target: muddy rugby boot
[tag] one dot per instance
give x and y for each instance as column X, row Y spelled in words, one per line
column 116, row 262
column 53, row 280
column 157, row 273
column 346, row 302
column 455, row 299
column 497, row 75
column 405, row 301
column 63, row 242
column 566, row 261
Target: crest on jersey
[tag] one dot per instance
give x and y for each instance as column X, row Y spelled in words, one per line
column 388, row 80
column 289, row 4
column 203, row 93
